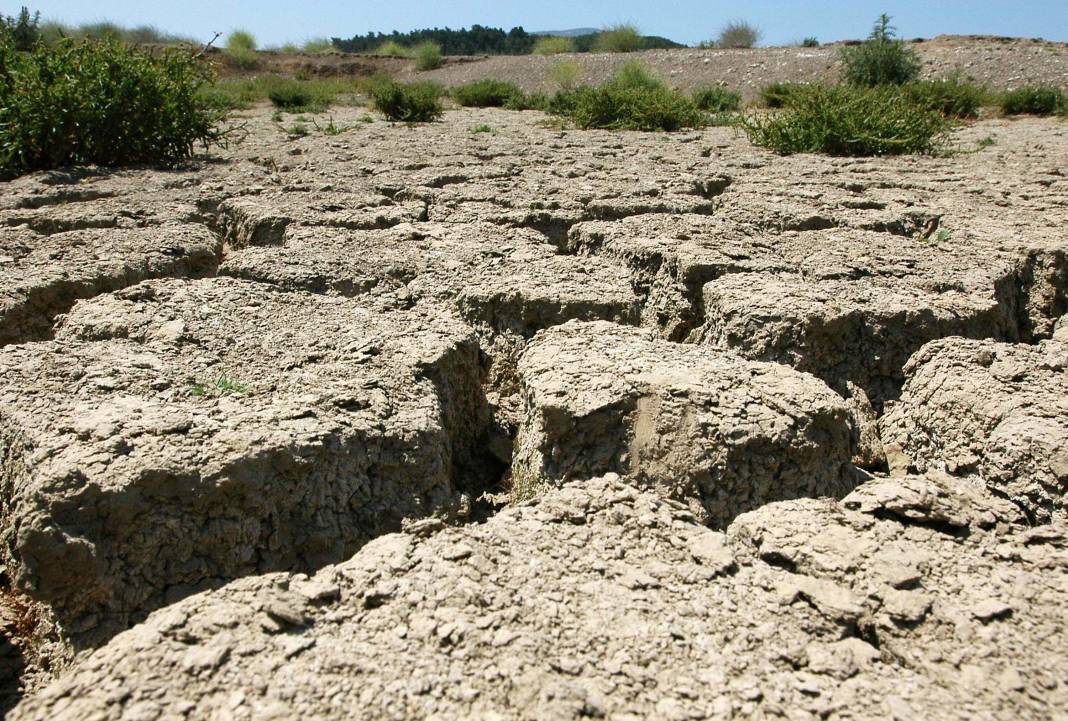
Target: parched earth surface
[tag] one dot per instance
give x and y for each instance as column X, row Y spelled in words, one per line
column 418, row 422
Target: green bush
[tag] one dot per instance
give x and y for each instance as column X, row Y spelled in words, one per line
column 295, row 96
column 565, row 73
column 810, row 42
column 241, row 49
column 776, row 95
column 618, row 39
column 846, row 120
column 100, row 103
column 951, row 97
column 1033, row 100
column 527, row 101
column 738, row 34
column 550, row 45
column 24, row 30
column 427, row 56
column 486, row 94
column 632, row 75
column 412, row 103
column 882, row 59
column 715, row 99
column 318, row 46
column 393, row 49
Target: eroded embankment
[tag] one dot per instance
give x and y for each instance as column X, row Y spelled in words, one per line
column 277, row 358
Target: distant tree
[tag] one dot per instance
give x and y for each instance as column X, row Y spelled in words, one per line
column 24, row 30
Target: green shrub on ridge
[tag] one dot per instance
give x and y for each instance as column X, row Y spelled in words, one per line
column 1033, row 100
column 427, row 56
column 951, row 97
column 845, row 120
column 715, row 99
column 486, row 94
column 100, row 103
column 882, row 59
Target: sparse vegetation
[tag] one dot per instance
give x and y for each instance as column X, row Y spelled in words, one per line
column 427, row 56
column 1033, row 100
column 297, row 129
column 634, row 99
column 882, row 59
column 715, row 99
column 845, row 120
column 622, row 38
column 411, row 103
column 221, row 386
column 486, row 94
column 483, row 128
column 550, row 45
column 241, row 49
column 951, row 97
column 101, row 103
column 738, row 34
column 289, row 93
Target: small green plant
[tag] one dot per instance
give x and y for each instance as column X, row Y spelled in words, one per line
column 483, row 128
column 882, row 59
column 365, row 118
column 943, row 236
column 986, row 142
column 393, row 49
column 1033, row 100
column 221, row 386
column 318, row 46
column 810, row 42
column 632, row 75
column 621, row 38
column 715, row 99
column 412, row 103
column 331, row 128
column 564, row 74
column 951, row 97
column 297, row 129
column 776, row 95
column 241, row 49
column 427, row 56
column 294, row 96
column 277, row 116
column 485, row 94
column 550, row 45
column 738, row 34
column 101, row 103
column 845, row 120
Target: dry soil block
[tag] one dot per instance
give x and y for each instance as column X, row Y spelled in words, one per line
column 996, row 409
column 701, row 424
column 600, row 601
column 178, row 433
column 42, row 276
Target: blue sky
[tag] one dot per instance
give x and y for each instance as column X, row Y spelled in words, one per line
column 687, row 21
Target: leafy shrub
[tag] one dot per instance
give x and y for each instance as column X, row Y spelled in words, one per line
column 392, row 49
column 845, row 120
column 951, row 97
column 1033, row 100
column 738, row 34
column 100, row 102
column 318, row 46
column 565, row 73
column 715, row 99
column 621, row 38
column 621, row 108
column 427, row 56
column 293, row 95
column 776, row 95
column 486, row 94
column 412, row 103
column 550, row 45
column 527, row 101
column 241, row 49
column 632, row 75
column 810, row 42
column 24, row 30
column 882, row 59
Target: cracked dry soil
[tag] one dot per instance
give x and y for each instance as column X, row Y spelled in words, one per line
column 413, row 422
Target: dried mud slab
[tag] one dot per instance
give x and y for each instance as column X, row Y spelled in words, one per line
column 602, row 601
column 176, row 434
column 706, row 426
column 42, row 276
column 997, row 410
